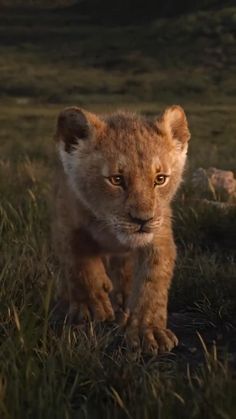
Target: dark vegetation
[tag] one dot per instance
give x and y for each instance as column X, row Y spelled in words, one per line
column 124, row 11
column 60, row 56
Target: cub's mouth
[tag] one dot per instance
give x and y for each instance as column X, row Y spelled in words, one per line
column 143, row 230
column 134, row 235
column 138, row 238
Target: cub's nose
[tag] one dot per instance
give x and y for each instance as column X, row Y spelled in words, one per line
column 140, row 221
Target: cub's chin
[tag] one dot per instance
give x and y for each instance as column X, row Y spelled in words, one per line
column 134, row 240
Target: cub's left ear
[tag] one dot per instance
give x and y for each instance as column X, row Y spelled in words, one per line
column 175, row 124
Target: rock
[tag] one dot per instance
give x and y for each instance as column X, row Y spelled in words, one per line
column 214, row 184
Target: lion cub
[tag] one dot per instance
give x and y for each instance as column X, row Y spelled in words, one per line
column 112, row 228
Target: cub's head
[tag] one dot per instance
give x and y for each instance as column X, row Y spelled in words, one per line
column 124, row 168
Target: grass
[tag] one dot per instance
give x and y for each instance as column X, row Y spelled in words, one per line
column 89, row 373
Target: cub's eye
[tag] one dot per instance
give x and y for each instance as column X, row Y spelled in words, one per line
column 116, row 180
column 160, row 180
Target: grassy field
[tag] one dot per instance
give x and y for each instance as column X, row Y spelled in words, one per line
column 47, row 61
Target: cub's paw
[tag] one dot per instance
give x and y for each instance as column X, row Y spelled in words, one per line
column 91, row 302
column 120, row 308
column 151, row 339
column 158, row 341
column 97, row 307
column 100, row 307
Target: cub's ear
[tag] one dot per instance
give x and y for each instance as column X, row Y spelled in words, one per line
column 74, row 125
column 175, row 123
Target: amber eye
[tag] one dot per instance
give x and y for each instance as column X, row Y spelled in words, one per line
column 160, row 180
column 116, row 180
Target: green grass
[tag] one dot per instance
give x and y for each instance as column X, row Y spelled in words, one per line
column 48, row 61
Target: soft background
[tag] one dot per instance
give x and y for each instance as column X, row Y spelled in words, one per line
column 105, row 55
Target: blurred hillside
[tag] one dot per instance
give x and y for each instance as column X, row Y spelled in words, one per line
column 138, row 10
column 62, row 56
column 158, row 7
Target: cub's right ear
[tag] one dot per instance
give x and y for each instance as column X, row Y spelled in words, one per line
column 74, row 125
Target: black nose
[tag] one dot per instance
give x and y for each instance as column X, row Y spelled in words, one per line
column 140, row 221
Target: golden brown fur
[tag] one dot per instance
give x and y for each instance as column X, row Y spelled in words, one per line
column 112, row 227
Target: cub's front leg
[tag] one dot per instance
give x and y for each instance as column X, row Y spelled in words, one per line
column 120, row 269
column 147, row 326
column 87, row 284
column 89, row 289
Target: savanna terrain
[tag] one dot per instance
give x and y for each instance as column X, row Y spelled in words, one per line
column 53, row 58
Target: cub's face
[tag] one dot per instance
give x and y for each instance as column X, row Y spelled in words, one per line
column 123, row 168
